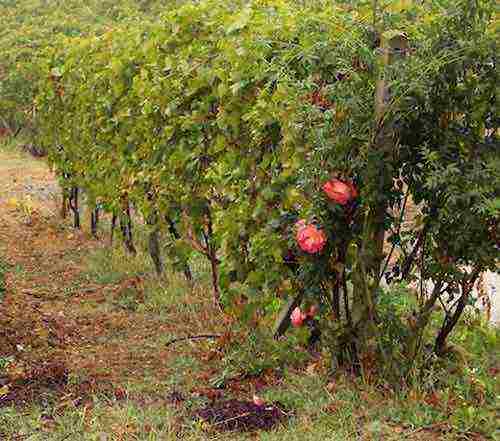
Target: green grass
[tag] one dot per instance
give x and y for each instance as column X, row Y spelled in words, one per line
column 347, row 413
column 323, row 405
column 10, row 145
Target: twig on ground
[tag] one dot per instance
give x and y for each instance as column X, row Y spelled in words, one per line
column 193, row 337
column 243, row 415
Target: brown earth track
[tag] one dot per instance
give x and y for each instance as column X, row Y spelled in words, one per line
column 50, row 312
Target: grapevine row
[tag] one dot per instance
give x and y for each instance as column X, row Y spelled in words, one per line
column 234, row 126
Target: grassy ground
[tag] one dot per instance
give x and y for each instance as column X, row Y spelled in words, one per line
column 85, row 353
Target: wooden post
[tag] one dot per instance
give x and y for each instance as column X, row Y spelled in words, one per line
column 126, row 227
column 154, row 243
column 112, row 229
column 370, row 256
column 73, row 205
column 383, row 144
column 94, row 221
column 175, row 234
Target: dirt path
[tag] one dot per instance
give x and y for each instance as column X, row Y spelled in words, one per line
column 54, row 313
column 68, row 336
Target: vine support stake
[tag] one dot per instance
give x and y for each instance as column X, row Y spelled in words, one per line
column 175, row 234
column 112, row 229
column 94, row 221
column 73, row 205
column 126, row 227
column 154, row 243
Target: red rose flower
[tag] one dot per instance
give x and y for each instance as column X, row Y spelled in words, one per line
column 258, row 401
column 313, row 310
column 297, row 317
column 340, row 191
column 310, row 238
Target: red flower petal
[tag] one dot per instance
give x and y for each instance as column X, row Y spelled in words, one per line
column 339, row 191
column 258, row 401
column 311, row 239
column 297, row 317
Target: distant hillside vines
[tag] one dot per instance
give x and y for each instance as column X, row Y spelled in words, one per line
column 27, row 27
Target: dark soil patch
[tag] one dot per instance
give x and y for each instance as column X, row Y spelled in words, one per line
column 176, row 398
column 242, row 416
column 34, row 384
column 48, row 382
column 35, row 150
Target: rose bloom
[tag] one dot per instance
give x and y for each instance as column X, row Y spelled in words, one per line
column 340, row 191
column 310, row 238
column 297, row 317
column 258, row 401
column 313, row 310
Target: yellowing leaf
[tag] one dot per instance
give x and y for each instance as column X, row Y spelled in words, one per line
column 4, row 390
